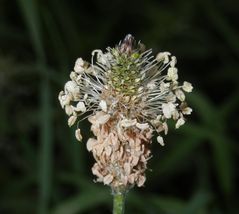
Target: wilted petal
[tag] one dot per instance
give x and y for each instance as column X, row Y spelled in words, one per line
column 179, row 123
column 121, row 152
column 170, row 97
column 60, row 95
column 128, row 123
column 79, row 65
column 151, row 85
column 127, row 168
column 108, row 179
column 91, row 143
column 68, row 110
column 131, row 178
column 72, row 120
column 124, row 179
column 172, row 74
column 78, row 135
column 115, row 142
column 71, row 87
column 95, row 129
column 108, row 150
column 103, row 119
column 180, row 95
column 99, row 149
column 168, row 109
column 160, row 140
column 135, row 160
column 96, row 172
column 175, row 114
column 99, row 118
column 64, row 99
column 165, row 125
column 80, row 107
column 73, row 76
column 173, row 61
column 164, row 86
column 103, row 105
column 142, row 126
column 187, row 86
column 148, row 134
column 141, row 180
column 187, row 110
column 163, row 56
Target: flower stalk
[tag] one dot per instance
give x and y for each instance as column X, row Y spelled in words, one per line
column 119, row 202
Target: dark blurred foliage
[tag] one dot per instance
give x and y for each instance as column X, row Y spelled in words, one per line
column 42, row 167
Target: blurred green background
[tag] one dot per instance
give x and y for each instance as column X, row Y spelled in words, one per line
column 42, row 167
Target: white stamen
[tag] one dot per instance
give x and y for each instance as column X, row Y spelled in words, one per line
column 103, row 105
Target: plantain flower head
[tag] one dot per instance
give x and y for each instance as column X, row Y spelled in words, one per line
column 127, row 95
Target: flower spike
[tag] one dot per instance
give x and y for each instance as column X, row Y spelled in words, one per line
column 127, row 94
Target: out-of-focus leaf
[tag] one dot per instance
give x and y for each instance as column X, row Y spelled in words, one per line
column 223, row 160
column 136, row 202
column 78, row 180
column 83, row 202
column 203, row 107
column 193, row 130
column 168, row 205
column 220, row 143
column 28, row 150
column 230, row 105
column 30, row 10
column 179, row 153
column 18, row 186
column 197, row 203
column 221, row 24
column 18, row 204
column 70, row 29
column 56, row 40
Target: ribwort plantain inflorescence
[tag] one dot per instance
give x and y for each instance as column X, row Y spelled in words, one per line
column 127, row 94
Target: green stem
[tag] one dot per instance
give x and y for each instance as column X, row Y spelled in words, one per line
column 119, row 202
